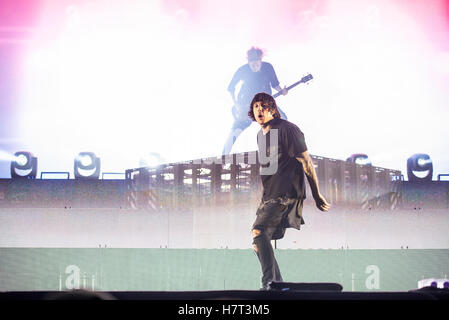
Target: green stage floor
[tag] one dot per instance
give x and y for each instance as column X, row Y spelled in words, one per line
column 141, row 269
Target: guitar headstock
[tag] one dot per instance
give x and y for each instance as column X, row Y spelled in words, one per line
column 307, row 78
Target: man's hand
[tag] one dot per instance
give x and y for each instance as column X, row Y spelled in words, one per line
column 321, row 203
column 284, row 91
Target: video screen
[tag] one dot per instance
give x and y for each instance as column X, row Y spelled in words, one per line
column 131, row 139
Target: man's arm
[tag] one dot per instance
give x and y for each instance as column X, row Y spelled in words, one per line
column 309, row 170
column 274, row 80
column 236, row 78
column 233, row 97
column 283, row 90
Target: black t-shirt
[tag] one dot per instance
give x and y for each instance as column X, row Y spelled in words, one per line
column 253, row 82
column 282, row 174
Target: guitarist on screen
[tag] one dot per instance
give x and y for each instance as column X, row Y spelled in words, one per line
column 256, row 76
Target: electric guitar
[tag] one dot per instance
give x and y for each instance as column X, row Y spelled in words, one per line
column 243, row 114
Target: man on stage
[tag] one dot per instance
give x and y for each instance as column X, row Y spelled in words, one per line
column 284, row 160
column 256, row 76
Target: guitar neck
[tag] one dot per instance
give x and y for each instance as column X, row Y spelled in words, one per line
column 288, row 88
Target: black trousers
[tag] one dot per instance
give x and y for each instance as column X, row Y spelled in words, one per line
column 267, row 259
column 271, row 221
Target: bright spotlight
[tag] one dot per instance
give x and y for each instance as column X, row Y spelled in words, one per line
column 21, row 160
column 419, row 167
column 151, row 160
column 423, row 162
column 24, row 165
column 86, row 160
column 359, row 158
column 87, row 166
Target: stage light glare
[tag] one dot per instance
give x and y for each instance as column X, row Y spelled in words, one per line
column 86, row 160
column 23, row 165
column 423, row 162
column 419, row 167
column 151, row 160
column 359, row 158
column 21, row 160
column 87, row 166
column 363, row 161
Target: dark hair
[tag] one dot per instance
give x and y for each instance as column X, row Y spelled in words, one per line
column 254, row 54
column 268, row 102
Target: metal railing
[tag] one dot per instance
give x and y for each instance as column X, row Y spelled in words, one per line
column 234, row 179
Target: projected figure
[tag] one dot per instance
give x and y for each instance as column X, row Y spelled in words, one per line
column 256, row 76
column 283, row 188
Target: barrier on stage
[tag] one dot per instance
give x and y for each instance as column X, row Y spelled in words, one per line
column 234, row 179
